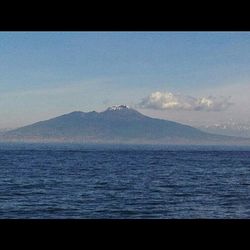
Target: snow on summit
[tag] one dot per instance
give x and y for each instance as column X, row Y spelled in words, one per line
column 118, row 107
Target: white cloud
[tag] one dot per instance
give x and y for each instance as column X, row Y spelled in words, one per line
column 166, row 100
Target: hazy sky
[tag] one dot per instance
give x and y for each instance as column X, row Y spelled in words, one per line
column 191, row 77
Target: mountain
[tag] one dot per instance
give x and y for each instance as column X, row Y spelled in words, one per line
column 117, row 124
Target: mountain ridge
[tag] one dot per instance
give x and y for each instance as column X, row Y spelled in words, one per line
column 116, row 124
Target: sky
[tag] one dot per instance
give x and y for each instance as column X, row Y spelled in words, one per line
column 195, row 78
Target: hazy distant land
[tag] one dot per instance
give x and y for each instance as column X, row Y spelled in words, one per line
column 115, row 125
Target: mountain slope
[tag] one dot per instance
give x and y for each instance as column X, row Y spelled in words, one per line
column 117, row 124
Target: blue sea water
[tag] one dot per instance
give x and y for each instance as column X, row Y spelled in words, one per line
column 123, row 182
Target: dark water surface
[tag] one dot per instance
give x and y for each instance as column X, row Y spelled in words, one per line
column 72, row 181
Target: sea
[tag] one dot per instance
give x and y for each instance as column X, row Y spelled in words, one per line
column 73, row 181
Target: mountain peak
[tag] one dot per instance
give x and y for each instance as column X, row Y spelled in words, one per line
column 117, row 124
column 118, row 107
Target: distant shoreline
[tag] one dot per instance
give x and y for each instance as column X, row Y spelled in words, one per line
column 101, row 147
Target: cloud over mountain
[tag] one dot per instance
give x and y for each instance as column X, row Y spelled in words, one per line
column 166, row 100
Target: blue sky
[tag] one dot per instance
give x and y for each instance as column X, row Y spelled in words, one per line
column 44, row 74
